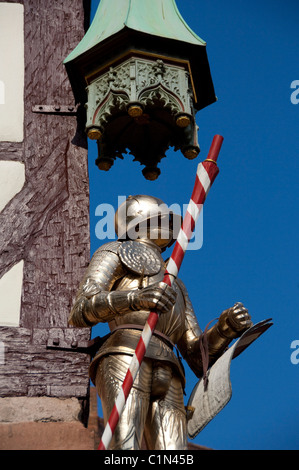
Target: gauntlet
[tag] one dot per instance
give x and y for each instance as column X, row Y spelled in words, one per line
column 231, row 324
column 159, row 297
column 234, row 321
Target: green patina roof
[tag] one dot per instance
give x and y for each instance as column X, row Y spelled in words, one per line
column 154, row 17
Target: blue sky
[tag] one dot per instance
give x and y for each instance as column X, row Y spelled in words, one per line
column 250, row 219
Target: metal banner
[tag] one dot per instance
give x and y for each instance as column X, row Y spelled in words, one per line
column 207, row 404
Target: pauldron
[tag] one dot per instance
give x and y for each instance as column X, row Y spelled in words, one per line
column 140, row 259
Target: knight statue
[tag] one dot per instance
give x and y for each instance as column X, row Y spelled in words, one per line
column 122, row 284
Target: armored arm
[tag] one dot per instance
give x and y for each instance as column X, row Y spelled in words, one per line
column 96, row 301
column 231, row 324
column 91, row 304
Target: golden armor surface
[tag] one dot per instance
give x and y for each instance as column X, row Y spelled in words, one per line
column 122, row 284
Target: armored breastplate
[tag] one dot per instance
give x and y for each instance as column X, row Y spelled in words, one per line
column 141, row 268
column 172, row 323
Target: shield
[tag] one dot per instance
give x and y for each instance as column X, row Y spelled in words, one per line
column 206, row 404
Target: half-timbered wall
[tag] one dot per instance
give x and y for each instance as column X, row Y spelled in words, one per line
column 44, row 203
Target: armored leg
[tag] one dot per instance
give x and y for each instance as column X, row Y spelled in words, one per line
column 166, row 420
column 154, row 407
column 110, row 375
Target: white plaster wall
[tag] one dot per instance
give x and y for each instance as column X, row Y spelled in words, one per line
column 10, row 296
column 11, row 72
column 2, row 92
column 12, row 179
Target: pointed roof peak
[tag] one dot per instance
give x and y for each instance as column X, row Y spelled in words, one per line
column 154, row 17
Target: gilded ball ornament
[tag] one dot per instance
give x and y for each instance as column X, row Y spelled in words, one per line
column 183, row 121
column 94, row 133
column 135, row 111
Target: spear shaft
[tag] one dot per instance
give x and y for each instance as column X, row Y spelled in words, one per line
column 205, row 177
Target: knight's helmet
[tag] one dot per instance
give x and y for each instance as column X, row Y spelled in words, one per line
column 147, row 217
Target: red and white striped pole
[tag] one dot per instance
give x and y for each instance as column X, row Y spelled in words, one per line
column 205, row 176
